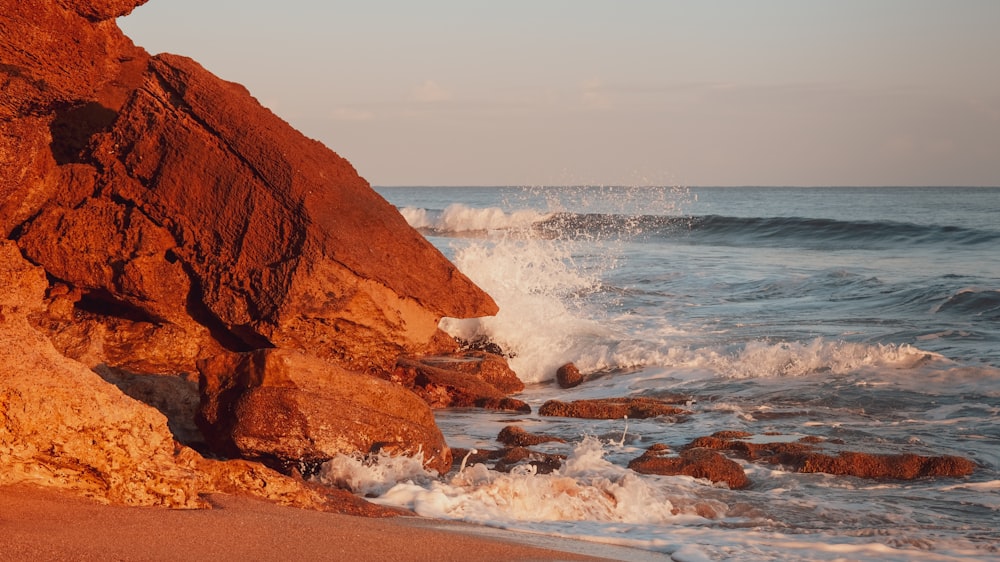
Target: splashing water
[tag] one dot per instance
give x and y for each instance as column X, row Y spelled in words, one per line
column 885, row 343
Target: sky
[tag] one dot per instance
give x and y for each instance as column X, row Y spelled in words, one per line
column 637, row 92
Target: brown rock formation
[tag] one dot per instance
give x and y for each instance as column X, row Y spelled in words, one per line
column 611, row 408
column 807, row 456
column 62, row 426
column 173, row 193
column 310, row 257
column 172, row 219
column 464, row 380
column 487, row 367
column 293, row 411
column 694, row 462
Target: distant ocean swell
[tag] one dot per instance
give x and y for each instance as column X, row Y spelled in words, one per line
column 461, row 220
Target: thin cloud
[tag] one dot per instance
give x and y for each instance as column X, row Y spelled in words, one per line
column 430, row 91
column 594, row 95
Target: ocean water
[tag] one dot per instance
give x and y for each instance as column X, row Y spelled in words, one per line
column 868, row 315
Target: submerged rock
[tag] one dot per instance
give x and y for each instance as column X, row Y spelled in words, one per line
column 611, row 408
column 806, row 455
column 515, row 436
column 509, row 458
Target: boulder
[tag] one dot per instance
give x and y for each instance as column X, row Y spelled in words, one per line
column 487, row 367
column 513, row 435
column 568, row 376
column 697, row 463
column 292, row 411
column 456, row 382
column 611, row 408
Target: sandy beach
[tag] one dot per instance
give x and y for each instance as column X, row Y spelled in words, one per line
column 39, row 524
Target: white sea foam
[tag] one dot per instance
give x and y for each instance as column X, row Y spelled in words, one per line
column 537, row 287
column 459, row 218
column 592, row 499
column 586, row 488
column 548, row 318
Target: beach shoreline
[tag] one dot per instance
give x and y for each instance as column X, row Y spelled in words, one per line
column 43, row 524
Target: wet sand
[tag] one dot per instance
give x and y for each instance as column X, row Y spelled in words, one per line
column 39, row 524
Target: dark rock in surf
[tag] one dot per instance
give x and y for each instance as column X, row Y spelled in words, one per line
column 508, row 458
column 568, row 376
column 694, row 462
column 808, row 455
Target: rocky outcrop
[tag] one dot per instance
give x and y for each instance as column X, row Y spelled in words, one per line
column 170, row 219
column 63, row 426
column 697, row 463
column 292, row 411
column 311, row 257
column 156, row 188
column 611, row 408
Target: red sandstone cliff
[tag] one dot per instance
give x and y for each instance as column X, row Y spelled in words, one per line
column 170, row 219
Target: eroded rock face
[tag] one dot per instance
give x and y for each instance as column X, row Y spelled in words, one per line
column 287, row 245
column 293, row 412
column 64, row 427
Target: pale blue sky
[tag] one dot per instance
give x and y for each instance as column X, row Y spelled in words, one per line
column 775, row 92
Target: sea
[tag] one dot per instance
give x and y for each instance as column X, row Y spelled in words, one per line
column 868, row 316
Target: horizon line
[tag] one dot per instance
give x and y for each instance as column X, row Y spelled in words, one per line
column 741, row 186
